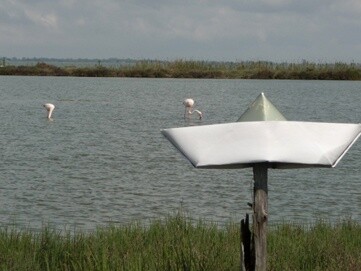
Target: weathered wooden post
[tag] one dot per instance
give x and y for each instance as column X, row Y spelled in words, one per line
column 254, row 244
column 262, row 139
column 260, row 214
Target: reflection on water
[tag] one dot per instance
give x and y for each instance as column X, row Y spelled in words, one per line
column 104, row 159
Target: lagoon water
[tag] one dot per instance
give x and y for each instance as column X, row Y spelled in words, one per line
column 103, row 159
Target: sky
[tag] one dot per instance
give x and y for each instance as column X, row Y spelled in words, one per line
column 319, row 31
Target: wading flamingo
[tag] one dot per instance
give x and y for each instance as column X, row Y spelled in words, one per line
column 188, row 104
column 49, row 108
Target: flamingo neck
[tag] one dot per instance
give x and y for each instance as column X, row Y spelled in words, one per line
column 49, row 113
column 190, row 112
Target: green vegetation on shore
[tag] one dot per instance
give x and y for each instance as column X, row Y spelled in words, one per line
column 198, row 69
column 180, row 243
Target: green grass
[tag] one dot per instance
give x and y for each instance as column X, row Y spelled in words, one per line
column 180, row 243
column 200, row 69
column 320, row 247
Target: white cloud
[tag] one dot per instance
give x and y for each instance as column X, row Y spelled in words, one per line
column 47, row 20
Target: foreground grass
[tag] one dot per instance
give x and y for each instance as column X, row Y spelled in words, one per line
column 200, row 69
column 179, row 243
column 320, row 247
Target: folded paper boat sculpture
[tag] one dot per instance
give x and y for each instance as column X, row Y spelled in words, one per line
column 280, row 143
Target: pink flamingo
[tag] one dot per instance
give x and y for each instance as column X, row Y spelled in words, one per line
column 188, row 104
column 50, row 109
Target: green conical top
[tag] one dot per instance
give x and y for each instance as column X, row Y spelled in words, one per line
column 261, row 110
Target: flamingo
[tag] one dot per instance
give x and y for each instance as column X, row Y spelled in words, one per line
column 188, row 104
column 49, row 107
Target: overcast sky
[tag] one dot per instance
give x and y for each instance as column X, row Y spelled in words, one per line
column 221, row 30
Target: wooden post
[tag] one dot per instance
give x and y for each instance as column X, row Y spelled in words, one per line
column 260, row 215
column 247, row 247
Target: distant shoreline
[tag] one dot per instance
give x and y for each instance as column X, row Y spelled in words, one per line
column 192, row 69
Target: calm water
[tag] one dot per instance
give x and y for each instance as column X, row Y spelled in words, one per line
column 103, row 159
